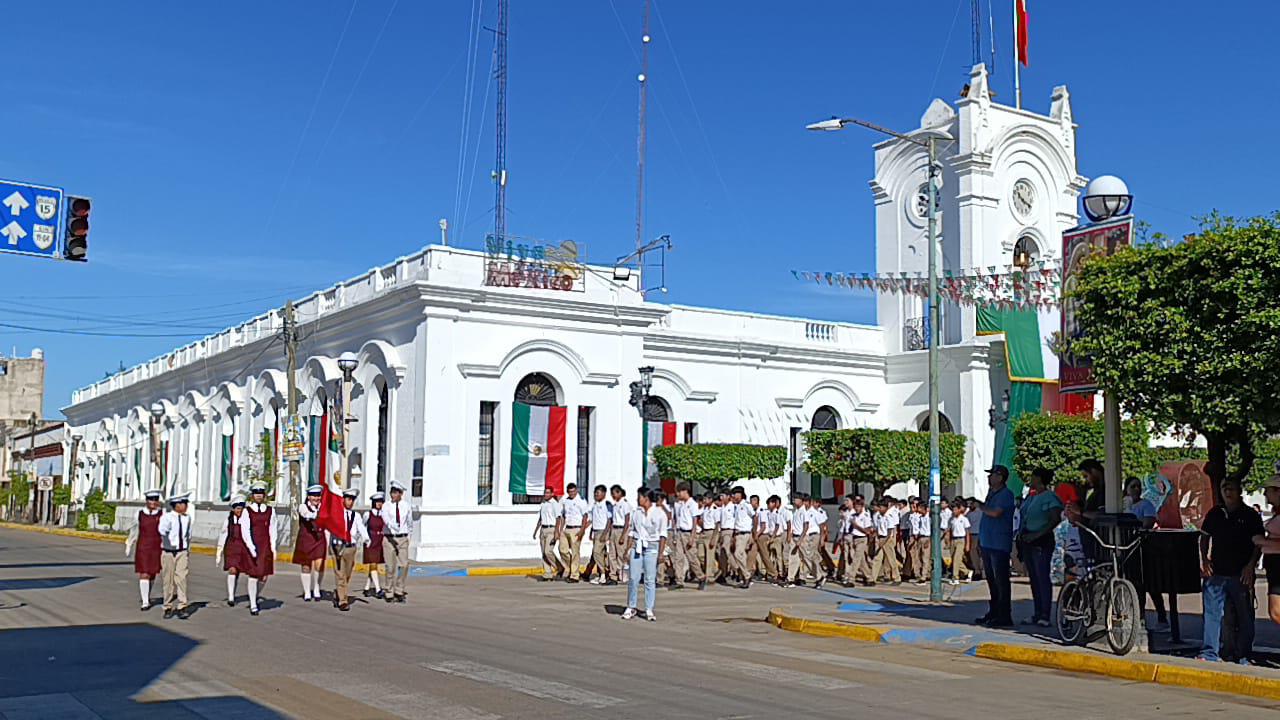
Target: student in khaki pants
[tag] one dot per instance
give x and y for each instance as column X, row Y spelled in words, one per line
column 397, row 518
column 708, row 539
column 573, row 513
column 601, row 514
column 885, row 562
column 618, row 536
column 344, row 551
column 175, row 556
column 545, row 532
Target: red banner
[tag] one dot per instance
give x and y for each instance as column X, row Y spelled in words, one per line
column 1075, row 373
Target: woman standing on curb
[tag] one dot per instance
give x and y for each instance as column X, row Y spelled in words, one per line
column 1041, row 513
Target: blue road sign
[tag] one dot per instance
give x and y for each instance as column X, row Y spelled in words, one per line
column 30, row 218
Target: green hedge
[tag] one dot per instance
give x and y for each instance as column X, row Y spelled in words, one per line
column 717, row 466
column 94, row 504
column 881, row 457
column 1059, row 443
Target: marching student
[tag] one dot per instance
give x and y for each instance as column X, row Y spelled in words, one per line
column 262, row 528
column 648, row 538
column 601, row 514
column 958, row 525
column 708, row 539
column 802, row 554
column 922, row 528
column 573, row 509
column 816, row 538
column 618, row 534
column 236, row 553
column 397, row 517
column 974, row 515
column 373, row 555
column 906, row 508
column 884, row 566
column 144, row 545
column 944, row 526
column 838, row 545
column 858, row 527
column 545, row 531
column 761, row 560
column 175, row 544
column 685, row 513
column 779, row 522
column 744, row 521
column 724, row 554
column 344, row 551
column 308, row 549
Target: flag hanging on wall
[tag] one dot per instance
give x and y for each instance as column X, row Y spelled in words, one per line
column 657, row 434
column 827, row 488
column 1020, row 14
column 537, row 449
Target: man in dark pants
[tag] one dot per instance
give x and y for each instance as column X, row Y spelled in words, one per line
column 995, row 537
column 1228, row 556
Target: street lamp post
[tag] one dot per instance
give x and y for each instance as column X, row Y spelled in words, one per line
column 347, row 364
column 639, row 400
column 157, row 413
column 928, row 139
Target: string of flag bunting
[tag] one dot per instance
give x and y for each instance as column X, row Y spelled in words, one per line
column 1038, row 286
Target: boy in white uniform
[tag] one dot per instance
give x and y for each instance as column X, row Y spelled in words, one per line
column 573, row 510
column 958, row 526
column 601, row 514
column 708, row 539
column 885, row 564
column 618, row 535
column 544, row 531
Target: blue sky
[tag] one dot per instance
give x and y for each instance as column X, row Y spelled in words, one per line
column 239, row 153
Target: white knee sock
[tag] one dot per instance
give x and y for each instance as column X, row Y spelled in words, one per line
column 377, row 584
column 144, row 590
column 253, row 593
column 315, row 582
column 231, row 587
column 306, row 584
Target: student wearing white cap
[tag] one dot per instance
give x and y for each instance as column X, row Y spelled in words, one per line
column 344, row 551
column 236, row 552
column 175, row 546
column 398, row 518
column 309, row 549
column 262, row 527
column 373, row 554
column 144, row 545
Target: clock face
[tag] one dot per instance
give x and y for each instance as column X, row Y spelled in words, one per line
column 1023, row 198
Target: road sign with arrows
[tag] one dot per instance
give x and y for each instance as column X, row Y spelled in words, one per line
column 30, row 218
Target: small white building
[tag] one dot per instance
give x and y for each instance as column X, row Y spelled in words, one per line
column 448, row 340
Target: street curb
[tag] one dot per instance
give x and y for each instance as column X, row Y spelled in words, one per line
column 794, row 623
column 502, row 571
column 1138, row 671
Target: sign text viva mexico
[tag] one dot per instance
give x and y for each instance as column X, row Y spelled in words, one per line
column 517, row 264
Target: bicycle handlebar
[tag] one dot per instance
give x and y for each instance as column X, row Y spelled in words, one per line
column 1113, row 548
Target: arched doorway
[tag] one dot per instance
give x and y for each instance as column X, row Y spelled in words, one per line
column 944, row 424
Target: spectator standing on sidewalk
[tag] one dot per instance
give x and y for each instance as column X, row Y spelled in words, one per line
column 1271, row 547
column 1041, row 513
column 1228, row 555
column 995, row 536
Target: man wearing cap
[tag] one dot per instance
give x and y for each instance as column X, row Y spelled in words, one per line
column 144, row 545
column 175, row 546
column 236, row 553
column 397, row 516
column 373, row 555
column 262, row 527
column 995, row 536
column 344, row 551
column 309, row 549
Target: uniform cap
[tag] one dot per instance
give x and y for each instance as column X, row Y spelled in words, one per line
column 237, row 499
column 395, row 485
column 351, row 493
column 152, row 494
column 258, row 487
column 315, row 490
column 377, row 497
column 176, row 499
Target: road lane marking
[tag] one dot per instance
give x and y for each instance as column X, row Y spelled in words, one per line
column 877, row 666
column 768, row 673
column 522, row 683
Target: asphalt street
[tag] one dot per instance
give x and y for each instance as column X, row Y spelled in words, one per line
column 76, row 646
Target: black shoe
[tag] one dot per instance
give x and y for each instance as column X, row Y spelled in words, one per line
column 183, row 614
column 702, row 584
column 344, row 607
column 253, row 611
column 1003, row 623
column 985, row 619
column 381, row 594
column 746, row 585
column 821, row 581
column 389, row 599
column 168, row 614
column 545, row 579
column 306, row 598
column 144, row 608
column 400, row 599
column 571, row 581
column 231, row 603
column 367, row 592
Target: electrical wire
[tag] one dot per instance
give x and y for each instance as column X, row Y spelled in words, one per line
column 468, row 93
column 475, row 157
column 945, row 46
column 74, row 331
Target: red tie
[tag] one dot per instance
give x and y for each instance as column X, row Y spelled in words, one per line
column 397, row 513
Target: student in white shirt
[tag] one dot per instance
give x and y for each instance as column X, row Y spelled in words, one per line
column 648, row 538
column 601, row 516
column 344, row 551
column 780, row 533
column 573, row 512
column 884, row 564
column 544, row 531
column 743, row 525
column 727, row 528
column 799, row 555
column 855, row 530
column 175, row 555
column 817, row 538
column 396, row 535
column 143, row 545
column 974, row 516
column 685, row 513
column 958, row 530
column 708, row 538
column 922, row 527
column 618, row 534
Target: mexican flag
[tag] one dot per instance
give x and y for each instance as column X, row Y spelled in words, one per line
column 657, row 434
column 537, row 449
column 332, row 515
column 826, row 488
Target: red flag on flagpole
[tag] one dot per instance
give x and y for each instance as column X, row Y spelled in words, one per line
column 1021, row 16
column 332, row 515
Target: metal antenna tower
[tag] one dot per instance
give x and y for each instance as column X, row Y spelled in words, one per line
column 975, row 12
column 500, row 164
column 641, row 130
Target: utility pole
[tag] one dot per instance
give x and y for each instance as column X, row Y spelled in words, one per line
column 31, row 468
column 935, row 316
column 291, row 353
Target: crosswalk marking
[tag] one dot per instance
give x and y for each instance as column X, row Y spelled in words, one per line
column 769, row 673
column 395, row 700
column 522, row 683
column 877, row 666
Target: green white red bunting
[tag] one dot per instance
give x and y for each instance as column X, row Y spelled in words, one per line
column 537, row 449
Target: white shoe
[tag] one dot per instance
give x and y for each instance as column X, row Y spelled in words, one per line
column 648, row 615
column 628, row 613
column 596, row 580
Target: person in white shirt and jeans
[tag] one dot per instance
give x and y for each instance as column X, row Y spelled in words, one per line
column 648, row 540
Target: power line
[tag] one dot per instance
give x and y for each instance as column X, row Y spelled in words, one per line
column 74, row 331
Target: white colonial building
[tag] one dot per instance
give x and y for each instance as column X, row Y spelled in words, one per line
column 447, row 341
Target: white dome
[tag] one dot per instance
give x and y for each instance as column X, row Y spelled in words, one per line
column 1106, row 185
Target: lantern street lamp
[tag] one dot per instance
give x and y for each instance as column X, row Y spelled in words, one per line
column 347, row 363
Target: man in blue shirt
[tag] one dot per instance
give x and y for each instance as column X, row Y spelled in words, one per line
column 995, row 538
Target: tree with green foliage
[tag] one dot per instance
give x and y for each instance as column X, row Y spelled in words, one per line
column 1188, row 335
column 881, row 457
column 1059, row 443
column 718, row 466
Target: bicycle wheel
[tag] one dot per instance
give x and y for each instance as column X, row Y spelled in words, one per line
column 1072, row 612
column 1122, row 616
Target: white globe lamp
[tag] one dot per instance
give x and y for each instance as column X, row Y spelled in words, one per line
column 1105, row 197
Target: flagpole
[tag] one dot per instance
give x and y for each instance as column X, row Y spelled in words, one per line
column 1017, row 72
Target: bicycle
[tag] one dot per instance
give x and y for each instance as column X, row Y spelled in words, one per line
column 1100, row 592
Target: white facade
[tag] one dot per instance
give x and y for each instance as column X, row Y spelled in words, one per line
column 443, row 352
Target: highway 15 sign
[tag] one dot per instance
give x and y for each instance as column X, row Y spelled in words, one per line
column 30, row 216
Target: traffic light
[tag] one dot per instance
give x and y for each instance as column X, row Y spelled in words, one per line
column 76, row 245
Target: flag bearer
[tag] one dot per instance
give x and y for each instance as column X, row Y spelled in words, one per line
column 344, row 551
column 236, row 552
column 373, row 555
column 144, row 545
column 308, row 549
column 708, row 537
column 573, row 510
column 601, row 514
column 262, row 527
column 545, row 533
column 397, row 517
column 175, row 544
column 618, row 535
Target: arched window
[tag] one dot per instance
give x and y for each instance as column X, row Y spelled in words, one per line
column 825, row 418
column 1025, row 252
column 537, row 389
column 944, row 424
column 656, row 409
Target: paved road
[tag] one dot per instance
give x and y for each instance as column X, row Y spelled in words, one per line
column 75, row 646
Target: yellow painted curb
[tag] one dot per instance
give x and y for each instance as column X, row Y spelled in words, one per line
column 1218, row 681
column 503, row 571
column 861, row 633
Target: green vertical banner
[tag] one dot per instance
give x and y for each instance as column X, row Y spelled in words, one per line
column 1024, row 360
column 228, row 458
column 106, row 474
column 137, row 467
column 314, row 449
column 164, row 464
